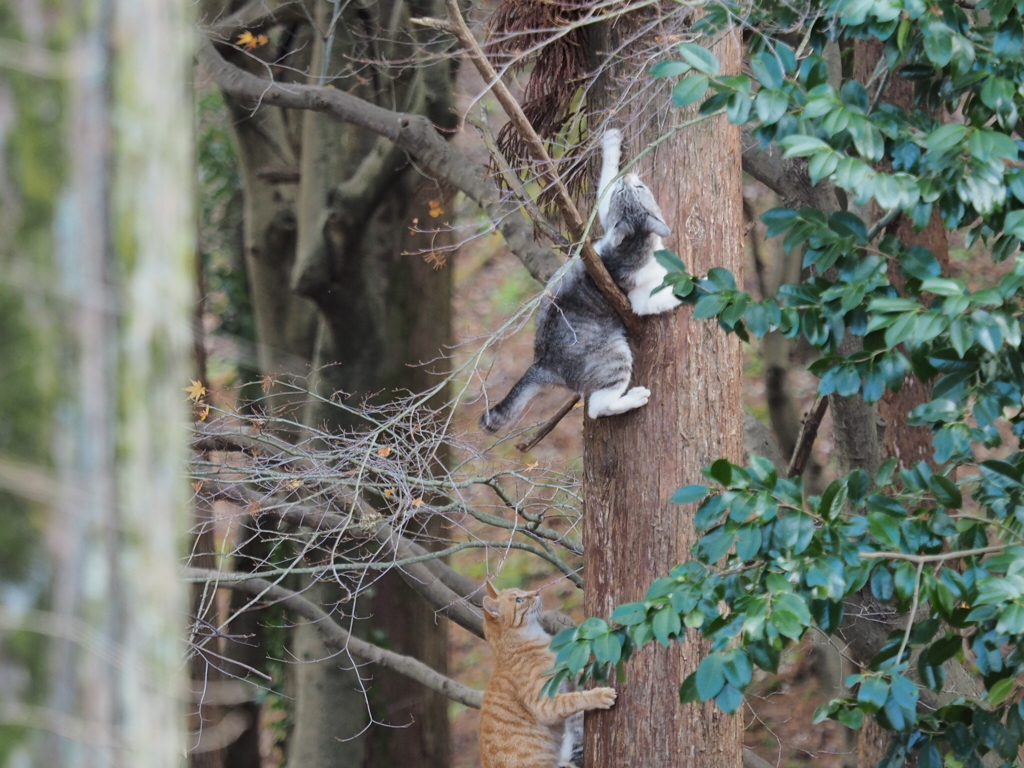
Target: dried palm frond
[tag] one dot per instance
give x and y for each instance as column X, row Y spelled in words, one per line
column 534, row 31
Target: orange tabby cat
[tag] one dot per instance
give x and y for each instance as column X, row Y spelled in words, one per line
column 519, row 728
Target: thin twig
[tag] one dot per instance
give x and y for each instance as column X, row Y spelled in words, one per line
column 913, row 612
column 931, row 558
column 512, row 180
column 551, row 423
column 805, row 440
column 573, row 219
column 882, row 223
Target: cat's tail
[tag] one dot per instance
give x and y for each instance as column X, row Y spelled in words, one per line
column 522, row 392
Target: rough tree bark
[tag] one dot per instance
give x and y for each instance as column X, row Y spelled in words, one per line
column 634, row 462
column 127, row 256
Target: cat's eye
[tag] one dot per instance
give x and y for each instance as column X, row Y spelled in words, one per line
column 519, row 599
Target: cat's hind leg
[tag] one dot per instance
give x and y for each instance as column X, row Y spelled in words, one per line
column 615, row 400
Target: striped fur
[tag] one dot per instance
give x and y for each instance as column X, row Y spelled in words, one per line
column 580, row 342
column 518, row 728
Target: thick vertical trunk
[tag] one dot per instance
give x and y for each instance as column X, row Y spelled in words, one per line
column 129, row 253
column 634, row 462
column 908, row 444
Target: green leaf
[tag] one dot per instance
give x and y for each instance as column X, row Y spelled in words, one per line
column 999, row 692
column 607, row 648
column 738, row 108
column 801, row 145
column 710, row 676
column 1011, row 620
column 833, row 499
column 946, row 492
column 629, row 614
column 713, row 546
column 669, row 69
column 938, row 40
column 670, row 261
column 885, row 472
column 945, row 137
column 822, row 164
column 699, row 58
column 689, row 494
column 689, row 89
column 729, row 699
column 665, row 624
column 688, row 690
column 578, row 656
column 710, row 305
column 767, row 70
column 592, row 628
column 748, row 541
column 872, row 693
column 563, row 638
column 770, row 106
column 882, row 585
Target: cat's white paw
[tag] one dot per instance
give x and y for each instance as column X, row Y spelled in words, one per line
column 612, row 136
column 638, row 394
column 605, row 697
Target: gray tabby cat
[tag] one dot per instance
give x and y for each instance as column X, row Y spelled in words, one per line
column 571, row 753
column 580, row 341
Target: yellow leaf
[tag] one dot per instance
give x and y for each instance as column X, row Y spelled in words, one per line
column 250, row 42
column 204, row 413
column 266, row 382
column 533, row 465
column 197, row 485
column 196, row 391
column 389, row 492
column 294, row 483
column 435, row 209
column 384, row 452
column 578, row 405
column 417, row 502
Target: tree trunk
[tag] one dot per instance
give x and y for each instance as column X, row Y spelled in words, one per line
column 908, row 444
column 634, row 462
column 129, row 239
column 341, row 291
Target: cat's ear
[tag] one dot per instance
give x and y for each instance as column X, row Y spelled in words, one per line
column 490, row 589
column 657, row 226
column 492, row 607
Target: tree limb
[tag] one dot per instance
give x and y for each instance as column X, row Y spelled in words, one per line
column 788, row 178
column 338, row 638
column 414, row 134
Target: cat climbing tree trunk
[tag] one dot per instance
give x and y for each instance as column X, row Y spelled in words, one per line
column 634, row 462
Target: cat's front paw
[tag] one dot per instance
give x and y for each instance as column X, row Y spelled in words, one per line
column 604, row 697
column 612, row 136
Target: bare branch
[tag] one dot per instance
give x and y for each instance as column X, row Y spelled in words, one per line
column 414, row 134
column 338, row 638
column 551, row 423
column 805, row 440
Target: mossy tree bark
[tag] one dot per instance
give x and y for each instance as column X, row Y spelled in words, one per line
column 127, row 256
column 634, row 462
